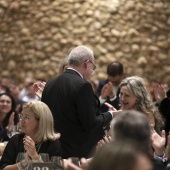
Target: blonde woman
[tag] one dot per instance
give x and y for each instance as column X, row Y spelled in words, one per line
column 135, row 96
column 37, row 136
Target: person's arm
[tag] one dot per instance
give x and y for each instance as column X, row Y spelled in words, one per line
column 8, row 160
column 38, row 88
column 101, row 100
column 11, row 167
column 68, row 165
column 87, row 108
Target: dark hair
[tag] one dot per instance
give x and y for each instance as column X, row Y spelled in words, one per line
column 168, row 93
column 117, row 155
column 115, row 68
column 13, row 109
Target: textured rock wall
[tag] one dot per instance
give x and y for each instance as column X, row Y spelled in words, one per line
column 36, row 35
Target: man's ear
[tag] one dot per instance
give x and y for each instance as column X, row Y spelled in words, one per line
column 85, row 64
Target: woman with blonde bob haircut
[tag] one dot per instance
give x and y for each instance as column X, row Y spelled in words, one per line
column 41, row 112
column 37, row 136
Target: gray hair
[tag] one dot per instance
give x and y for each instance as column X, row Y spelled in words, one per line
column 79, row 54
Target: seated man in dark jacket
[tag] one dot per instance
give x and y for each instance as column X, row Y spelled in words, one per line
column 108, row 89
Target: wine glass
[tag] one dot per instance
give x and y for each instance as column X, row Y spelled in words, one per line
column 58, row 162
column 13, row 130
column 45, row 157
column 22, row 158
column 75, row 161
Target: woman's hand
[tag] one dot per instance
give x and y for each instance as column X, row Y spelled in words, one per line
column 29, row 146
column 160, row 92
column 158, row 142
column 106, row 139
column 38, row 88
column 11, row 121
column 68, row 165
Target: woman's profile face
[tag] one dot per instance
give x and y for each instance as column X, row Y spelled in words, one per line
column 127, row 99
column 5, row 104
column 28, row 122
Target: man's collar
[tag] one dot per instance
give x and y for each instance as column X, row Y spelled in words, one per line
column 75, row 71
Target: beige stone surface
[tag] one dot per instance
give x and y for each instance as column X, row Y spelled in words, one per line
column 35, row 36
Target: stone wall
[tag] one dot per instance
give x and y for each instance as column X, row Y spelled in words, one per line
column 36, row 35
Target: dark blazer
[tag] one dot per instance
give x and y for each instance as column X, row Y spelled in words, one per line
column 76, row 113
column 115, row 103
column 158, row 165
column 164, row 109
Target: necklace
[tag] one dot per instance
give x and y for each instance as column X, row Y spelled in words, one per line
column 37, row 147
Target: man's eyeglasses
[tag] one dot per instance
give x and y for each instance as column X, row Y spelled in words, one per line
column 94, row 66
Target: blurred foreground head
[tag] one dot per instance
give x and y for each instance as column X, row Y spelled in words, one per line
column 132, row 125
column 121, row 155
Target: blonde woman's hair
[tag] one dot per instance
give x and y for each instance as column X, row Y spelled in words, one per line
column 144, row 104
column 46, row 122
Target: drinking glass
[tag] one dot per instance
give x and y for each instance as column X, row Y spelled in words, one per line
column 13, row 130
column 22, row 158
column 45, row 157
column 75, row 160
column 58, row 162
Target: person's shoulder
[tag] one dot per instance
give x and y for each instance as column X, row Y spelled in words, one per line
column 165, row 100
column 158, row 164
column 55, row 142
column 51, row 80
column 16, row 139
column 18, row 136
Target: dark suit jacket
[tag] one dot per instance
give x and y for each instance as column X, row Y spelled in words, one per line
column 76, row 113
column 115, row 103
column 158, row 165
column 164, row 109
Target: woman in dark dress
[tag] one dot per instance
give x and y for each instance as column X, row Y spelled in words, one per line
column 8, row 115
column 37, row 136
